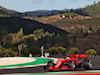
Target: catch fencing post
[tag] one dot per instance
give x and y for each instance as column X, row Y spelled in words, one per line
column 19, row 47
column 42, row 51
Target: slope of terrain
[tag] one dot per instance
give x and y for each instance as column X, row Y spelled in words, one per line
column 58, row 17
column 7, row 13
column 84, row 41
column 76, row 25
column 49, row 19
column 13, row 24
column 41, row 12
column 93, row 10
column 73, row 23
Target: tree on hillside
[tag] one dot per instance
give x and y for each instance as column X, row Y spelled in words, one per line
column 74, row 40
column 12, row 38
column 35, row 50
column 47, row 33
column 25, row 51
column 94, row 2
column 81, row 30
column 7, row 52
column 8, row 44
column 25, row 37
column 71, row 10
column 53, row 40
column 38, row 33
column 98, row 32
column 90, row 28
column 4, row 32
column 30, row 42
column 52, row 50
column 20, row 33
column 64, row 40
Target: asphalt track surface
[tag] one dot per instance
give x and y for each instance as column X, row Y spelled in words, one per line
column 95, row 62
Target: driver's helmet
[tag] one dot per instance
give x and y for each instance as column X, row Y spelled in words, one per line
column 68, row 58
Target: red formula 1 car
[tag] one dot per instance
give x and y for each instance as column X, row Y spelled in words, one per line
column 70, row 63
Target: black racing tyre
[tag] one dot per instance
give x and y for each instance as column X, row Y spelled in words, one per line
column 80, row 65
column 50, row 63
column 72, row 64
column 45, row 67
column 87, row 64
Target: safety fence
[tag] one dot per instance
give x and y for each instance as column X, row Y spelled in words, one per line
column 51, row 55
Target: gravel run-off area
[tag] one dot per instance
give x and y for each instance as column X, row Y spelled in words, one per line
column 15, row 60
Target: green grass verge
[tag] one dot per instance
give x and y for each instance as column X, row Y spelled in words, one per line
column 38, row 61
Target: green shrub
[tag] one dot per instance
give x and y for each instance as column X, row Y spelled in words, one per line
column 73, row 51
column 61, row 50
column 7, row 52
column 90, row 52
column 52, row 50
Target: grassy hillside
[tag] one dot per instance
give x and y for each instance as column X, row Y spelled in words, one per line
column 7, row 13
column 13, row 24
column 58, row 17
column 93, row 10
column 77, row 24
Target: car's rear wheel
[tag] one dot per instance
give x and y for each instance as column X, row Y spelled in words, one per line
column 80, row 65
column 87, row 64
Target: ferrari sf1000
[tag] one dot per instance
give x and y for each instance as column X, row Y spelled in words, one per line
column 70, row 63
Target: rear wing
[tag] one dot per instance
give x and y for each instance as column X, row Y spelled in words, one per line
column 81, row 56
column 78, row 56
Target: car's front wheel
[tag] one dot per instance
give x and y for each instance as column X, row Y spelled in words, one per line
column 50, row 63
column 72, row 65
